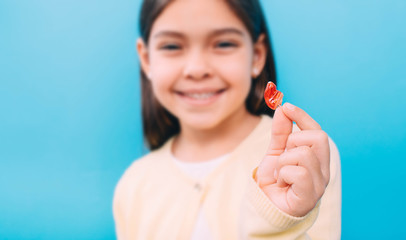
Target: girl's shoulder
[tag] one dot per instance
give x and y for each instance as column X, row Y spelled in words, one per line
column 146, row 166
column 152, row 160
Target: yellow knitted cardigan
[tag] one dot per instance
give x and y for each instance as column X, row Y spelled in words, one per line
column 154, row 199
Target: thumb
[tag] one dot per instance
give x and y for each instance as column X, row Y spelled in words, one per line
column 281, row 128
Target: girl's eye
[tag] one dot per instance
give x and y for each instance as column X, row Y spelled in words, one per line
column 225, row 45
column 170, row 47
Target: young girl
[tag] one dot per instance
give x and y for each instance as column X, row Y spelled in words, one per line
column 220, row 166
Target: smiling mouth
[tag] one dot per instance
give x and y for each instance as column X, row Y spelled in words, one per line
column 204, row 95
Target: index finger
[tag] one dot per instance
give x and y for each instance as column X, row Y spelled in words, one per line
column 300, row 117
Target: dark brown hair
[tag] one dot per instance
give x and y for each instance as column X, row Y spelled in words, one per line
column 159, row 125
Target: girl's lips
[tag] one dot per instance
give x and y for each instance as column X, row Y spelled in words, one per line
column 200, row 97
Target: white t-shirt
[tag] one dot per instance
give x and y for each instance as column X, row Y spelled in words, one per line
column 198, row 171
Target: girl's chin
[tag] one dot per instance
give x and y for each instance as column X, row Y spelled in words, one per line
column 211, row 119
column 201, row 123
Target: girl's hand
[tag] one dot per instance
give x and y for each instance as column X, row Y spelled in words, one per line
column 296, row 169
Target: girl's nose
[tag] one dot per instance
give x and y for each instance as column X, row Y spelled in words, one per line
column 197, row 67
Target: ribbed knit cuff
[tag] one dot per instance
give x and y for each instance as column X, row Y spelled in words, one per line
column 267, row 210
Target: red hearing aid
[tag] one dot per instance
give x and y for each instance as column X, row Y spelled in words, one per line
column 273, row 97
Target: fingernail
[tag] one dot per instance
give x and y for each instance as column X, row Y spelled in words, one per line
column 275, row 174
column 289, row 106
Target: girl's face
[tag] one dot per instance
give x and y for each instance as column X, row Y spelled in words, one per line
column 200, row 59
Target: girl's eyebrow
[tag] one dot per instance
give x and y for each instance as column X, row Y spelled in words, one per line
column 169, row 34
column 227, row 30
column 216, row 32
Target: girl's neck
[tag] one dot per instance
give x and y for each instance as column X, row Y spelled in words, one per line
column 198, row 145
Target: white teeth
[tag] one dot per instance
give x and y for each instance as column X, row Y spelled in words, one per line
column 200, row 95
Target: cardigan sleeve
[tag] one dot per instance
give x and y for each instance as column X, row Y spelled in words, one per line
column 118, row 211
column 124, row 201
column 328, row 223
column 261, row 219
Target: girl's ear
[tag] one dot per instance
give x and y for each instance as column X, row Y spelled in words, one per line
column 259, row 59
column 142, row 50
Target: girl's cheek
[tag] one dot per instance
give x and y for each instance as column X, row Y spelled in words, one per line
column 235, row 67
column 165, row 68
column 164, row 74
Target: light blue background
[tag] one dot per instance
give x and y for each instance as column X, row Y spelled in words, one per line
column 70, row 107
